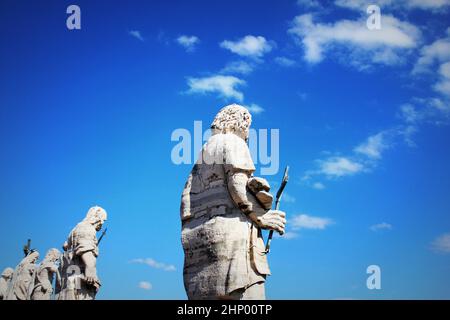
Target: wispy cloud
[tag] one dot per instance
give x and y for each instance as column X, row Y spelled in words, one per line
column 442, row 243
column 289, row 235
column 361, row 5
column 225, row 86
column 136, row 34
column 364, row 158
column 248, row 46
column 285, row 62
column 373, row 146
column 309, row 4
column 304, row 221
column 361, row 47
column 145, row 285
column 188, row 42
column 381, row 226
column 288, row 198
column 318, row 186
column 238, row 67
column 339, row 167
column 443, row 84
column 436, row 52
column 254, row 108
column 154, row 264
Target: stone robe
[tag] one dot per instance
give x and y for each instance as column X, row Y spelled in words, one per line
column 22, row 281
column 5, row 281
column 223, row 248
column 43, row 287
column 82, row 239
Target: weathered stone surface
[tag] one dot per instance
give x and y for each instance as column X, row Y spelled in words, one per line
column 78, row 271
column 43, row 284
column 221, row 218
column 265, row 199
column 22, row 281
column 256, row 184
column 5, row 281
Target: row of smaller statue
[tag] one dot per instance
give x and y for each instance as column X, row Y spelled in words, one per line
column 70, row 275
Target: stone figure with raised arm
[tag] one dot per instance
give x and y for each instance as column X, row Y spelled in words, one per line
column 43, row 284
column 223, row 209
column 79, row 280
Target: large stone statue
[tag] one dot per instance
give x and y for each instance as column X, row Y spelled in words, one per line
column 5, row 281
column 78, row 270
column 223, row 210
column 43, row 285
column 22, row 281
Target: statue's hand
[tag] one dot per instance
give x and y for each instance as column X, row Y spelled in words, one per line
column 273, row 220
column 90, row 276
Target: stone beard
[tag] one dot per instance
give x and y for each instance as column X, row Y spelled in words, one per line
column 224, row 249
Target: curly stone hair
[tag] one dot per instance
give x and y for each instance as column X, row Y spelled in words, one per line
column 52, row 255
column 95, row 213
column 232, row 119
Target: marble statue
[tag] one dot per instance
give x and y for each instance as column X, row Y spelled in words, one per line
column 78, row 270
column 5, row 281
column 43, row 285
column 223, row 209
column 23, row 278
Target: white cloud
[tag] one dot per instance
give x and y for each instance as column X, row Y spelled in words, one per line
column 362, row 47
column 249, row 46
column 318, row 186
column 304, row 221
column 225, row 86
column 442, row 243
column 288, row 198
column 374, row 146
column 339, row 167
column 381, row 226
column 136, row 34
column 443, row 84
column 310, row 4
column 360, row 4
column 285, row 62
column 254, row 108
column 409, row 113
column 188, row 42
column 438, row 51
column 154, row 264
column 393, row 4
column 145, row 285
column 426, row 4
column 289, row 235
column 240, row 67
column 424, row 110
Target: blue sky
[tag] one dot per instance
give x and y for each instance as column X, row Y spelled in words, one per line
column 86, row 118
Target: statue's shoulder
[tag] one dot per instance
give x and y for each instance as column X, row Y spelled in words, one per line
column 84, row 229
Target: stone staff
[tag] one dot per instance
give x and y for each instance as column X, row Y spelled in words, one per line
column 277, row 203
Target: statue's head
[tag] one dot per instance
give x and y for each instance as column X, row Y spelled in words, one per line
column 52, row 255
column 232, row 119
column 31, row 258
column 97, row 217
column 7, row 273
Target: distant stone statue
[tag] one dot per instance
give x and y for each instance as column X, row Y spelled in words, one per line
column 223, row 210
column 78, row 270
column 5, row 281
column 43, row 285
column 23, row 278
